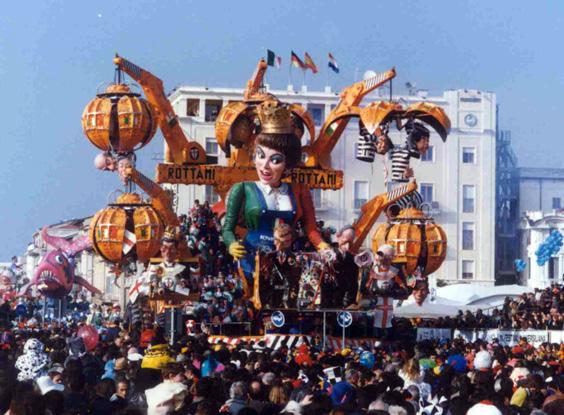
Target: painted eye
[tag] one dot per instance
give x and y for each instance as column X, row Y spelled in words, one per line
column 260, row 153
column 277, row 159
column 59, row 259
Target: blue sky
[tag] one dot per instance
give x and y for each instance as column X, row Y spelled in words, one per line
column 55, row 54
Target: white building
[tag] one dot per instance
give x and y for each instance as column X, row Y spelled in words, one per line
column 540, row 189
column 541, row 194
column 458, row 176
column 535, row 228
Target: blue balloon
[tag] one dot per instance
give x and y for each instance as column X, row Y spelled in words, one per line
column 367, row 359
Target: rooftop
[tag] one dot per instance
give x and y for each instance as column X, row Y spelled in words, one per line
column 540, row 173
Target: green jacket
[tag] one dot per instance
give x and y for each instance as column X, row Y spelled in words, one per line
column 243, row 198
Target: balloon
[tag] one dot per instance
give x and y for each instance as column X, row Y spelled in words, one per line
column 367, row 359
column 89, row 335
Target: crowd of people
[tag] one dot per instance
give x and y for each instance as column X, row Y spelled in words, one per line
column 133, row 368
column 51, row 371
column 538, row 310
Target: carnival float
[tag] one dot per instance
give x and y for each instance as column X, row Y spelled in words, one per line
column 258, row 134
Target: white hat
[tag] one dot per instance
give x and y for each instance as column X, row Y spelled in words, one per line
column 483, row 360
column 46, row 384
column 482, row 408
column 162, row 393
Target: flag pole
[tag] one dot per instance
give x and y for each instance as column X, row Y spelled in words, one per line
column 290, row 74
column 303, row 82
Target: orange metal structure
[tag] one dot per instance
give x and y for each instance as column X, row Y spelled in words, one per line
column 180, row 149
column 417, row 240
column 119, row 120
column 108, row 229
column 372, row 209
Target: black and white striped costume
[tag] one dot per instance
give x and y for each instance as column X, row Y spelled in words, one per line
column 400, row 163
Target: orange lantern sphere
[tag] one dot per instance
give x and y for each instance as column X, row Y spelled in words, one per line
column 119, row 120
column 129, row 213
column 417, row 241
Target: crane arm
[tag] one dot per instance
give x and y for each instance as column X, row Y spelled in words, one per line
column 371, row 210
column 320, row 151
column 160, row 200
column 182, row 150
column 255, row 83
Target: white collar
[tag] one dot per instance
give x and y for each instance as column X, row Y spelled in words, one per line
column 268, row 189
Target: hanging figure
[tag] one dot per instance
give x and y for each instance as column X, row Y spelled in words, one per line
column 417, row 143
column 268, row 201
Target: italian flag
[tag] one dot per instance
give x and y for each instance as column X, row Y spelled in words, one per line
column 272, row 59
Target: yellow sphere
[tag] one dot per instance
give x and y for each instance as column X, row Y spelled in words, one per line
column 417, row 241
column 108, row 229
column 119, row 120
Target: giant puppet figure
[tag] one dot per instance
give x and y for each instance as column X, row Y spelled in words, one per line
column 55, row 274
column 265, row 203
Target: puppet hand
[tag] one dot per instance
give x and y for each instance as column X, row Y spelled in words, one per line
column 237, row 250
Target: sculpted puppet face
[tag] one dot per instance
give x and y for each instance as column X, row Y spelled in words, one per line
column 169, row 251
column 420, row 293
column 270, row 165
column 345, row 240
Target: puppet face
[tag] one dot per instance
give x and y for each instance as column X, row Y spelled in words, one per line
column 282, row 237
column 55, row 274
column 420, row 293
column 422, row 145
column 382, row 144
column 123, row 167
column 169, row 251
column 345, row 240
column 270, row 165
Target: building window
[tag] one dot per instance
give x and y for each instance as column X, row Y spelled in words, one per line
column 192, row 107
column 211, row 146
column 360, row 193
column 555, row 203
column 317, row 198
column 468, row 198
column 212, row 109
column 316, row 112
column 468, row 235
column 468, row 155
column 109, row 284
column 467, row 270
column 429, row 155
column 426, row 190
column 553, row 268
column 210, row 195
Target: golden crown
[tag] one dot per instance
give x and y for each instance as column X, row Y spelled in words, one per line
column 275, row 118
column 171, row 234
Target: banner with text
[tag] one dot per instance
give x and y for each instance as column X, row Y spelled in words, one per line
column 427, row 333
column 505, row 337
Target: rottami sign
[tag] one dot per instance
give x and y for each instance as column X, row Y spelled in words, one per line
column 212, row 174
